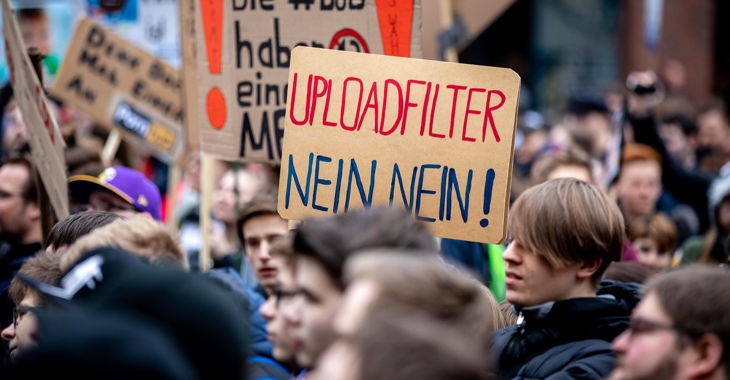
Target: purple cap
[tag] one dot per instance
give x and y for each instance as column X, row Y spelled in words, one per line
column 128, row 184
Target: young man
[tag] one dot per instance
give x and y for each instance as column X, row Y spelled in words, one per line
column 119, row 190
column 73, row 227
column 322, row 246
column 680, row 330
column 564, row 234
column 259, row 226
column 640, row 183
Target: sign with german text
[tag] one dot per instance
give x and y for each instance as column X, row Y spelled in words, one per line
column 245, row 51
column 433, row 137
column 124, row 87
column 46, row 143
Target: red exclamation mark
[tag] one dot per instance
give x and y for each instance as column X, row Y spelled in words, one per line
column 212, row 11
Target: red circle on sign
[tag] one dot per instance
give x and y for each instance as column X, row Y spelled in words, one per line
column 216, row 107
column 347, row 32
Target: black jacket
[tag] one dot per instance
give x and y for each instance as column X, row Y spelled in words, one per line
column 568, row 339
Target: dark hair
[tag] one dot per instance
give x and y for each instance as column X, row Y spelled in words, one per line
column 332, row 240
column 31, row 14
column 625, row 271
column 30, row 187
column 571, row 156
column 686, row 123
column 262, row 203
column 71, row 228
column 717, row 105
column 44, row 267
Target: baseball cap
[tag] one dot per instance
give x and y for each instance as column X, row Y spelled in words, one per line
column 128, row 184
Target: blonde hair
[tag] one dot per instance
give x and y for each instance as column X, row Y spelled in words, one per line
column 139, row 235
column 564, row 221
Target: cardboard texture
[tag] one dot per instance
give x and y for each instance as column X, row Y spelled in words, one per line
column 46, row 143
column 124, row 87
column 434, row 137
column 244, row 51
column 189, row 70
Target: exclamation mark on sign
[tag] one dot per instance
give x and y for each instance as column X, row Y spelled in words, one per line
column 212, row 11
column 488, row 186
column 396, row 22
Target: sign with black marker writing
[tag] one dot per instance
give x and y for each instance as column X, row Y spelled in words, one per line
column 434, row 137
column 124, row 87
column 245, row 51
column 46, row 142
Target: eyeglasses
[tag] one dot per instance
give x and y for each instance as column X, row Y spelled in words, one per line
column 280, row 294
column 19, row 312
column 639, row 326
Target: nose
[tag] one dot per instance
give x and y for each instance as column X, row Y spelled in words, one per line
column 9, row 333
column 619, row 344
column 268, row 309
column 510, row 255
column 265, row 251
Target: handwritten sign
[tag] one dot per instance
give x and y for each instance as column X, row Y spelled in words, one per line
column 245, row 52
column 188, row 73
column 124, row 87
column 436, row 138
column 46, row 142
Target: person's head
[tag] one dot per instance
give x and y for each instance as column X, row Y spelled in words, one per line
column 591, row 119
column 259, row 226
column 679, row 133
column 73, row 227
column 22, row 333
column 560, row 248
column 655, row 241
column 322, row 247
column 118, row 189
column 640, row 180
column 572, row 162
column 680, row 330
column 35, row 29
column 20, row 216
column 713, row 126
column 138, row 235
column 422, row 282
column 15, row 135
column 235, row 189
column 400, row 344
column 626, row 271
column 277, row 327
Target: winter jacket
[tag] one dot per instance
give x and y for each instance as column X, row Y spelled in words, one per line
column 568, row 339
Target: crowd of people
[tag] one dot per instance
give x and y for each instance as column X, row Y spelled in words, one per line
column 614, row 265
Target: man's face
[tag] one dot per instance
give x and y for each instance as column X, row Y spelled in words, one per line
column 14, row 130
column 107, row 201
column 320, row 297
column 532, row 281
column 277, row 328
column 713, row 130
column 224, row 197
column 639, row 187
column 260, row 233
column 649, row 256
column 15, row 216
column 674, row 139
column 22, row 336
column 646, row 351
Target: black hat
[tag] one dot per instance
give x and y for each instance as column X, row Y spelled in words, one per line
column 583, row 105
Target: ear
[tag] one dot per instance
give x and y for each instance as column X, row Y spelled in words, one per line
column 707, row 356
column 588, row 268
column 33, row 211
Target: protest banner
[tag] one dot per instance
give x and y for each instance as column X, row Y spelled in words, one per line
column 188, row 71
column 244, row 54
column 46, row 143
column 124, row 87
column 434, row 137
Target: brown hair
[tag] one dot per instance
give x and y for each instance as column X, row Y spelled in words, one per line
column 566, row 220
column 262, row 203
column 658, row 228
column 697, row 299
column 30, row 187
column 639, row 152
column 425, row 283
column 43, row 267
column 571, row 156
column 510, row 318
column 284, row 248
column 71, row 228
column 399, row 343
column 332, row 240
column 140, row 235
column 32, row 14
column 625, row 271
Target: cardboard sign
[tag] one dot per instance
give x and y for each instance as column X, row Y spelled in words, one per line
column 245, row 51
column 124, row 87
column 188, row 73
column 46, row 142
column 436, row 138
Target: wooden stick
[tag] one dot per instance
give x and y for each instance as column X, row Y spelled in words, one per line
column 111, row 146
column 174, row 175
column 207, row 168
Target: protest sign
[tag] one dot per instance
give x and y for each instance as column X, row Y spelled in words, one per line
column 434, row 137
column 188, row 71
column 244, row 54
column 124, row 87
column 46, row 143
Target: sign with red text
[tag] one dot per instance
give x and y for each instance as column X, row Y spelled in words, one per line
column 434, row 137
column 46, row 143
column 244, row 53
column 123, row 87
